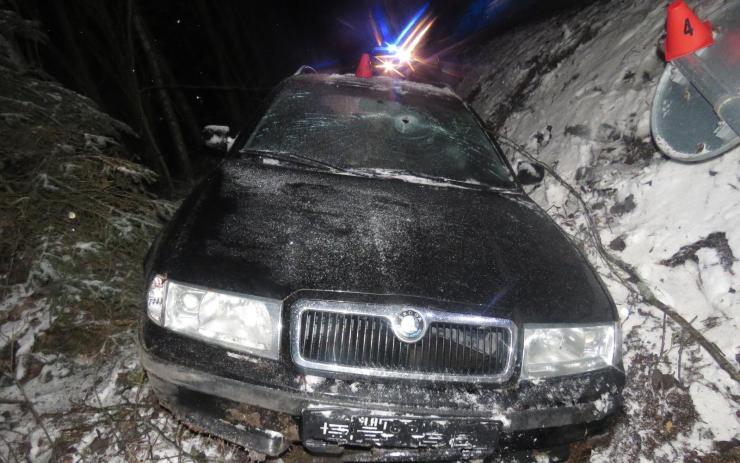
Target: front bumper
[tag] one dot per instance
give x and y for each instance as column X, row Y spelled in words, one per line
column 244, row 390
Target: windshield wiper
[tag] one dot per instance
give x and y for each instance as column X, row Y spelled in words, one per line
column 391, row 173
column 298, row 159
column 363, row 171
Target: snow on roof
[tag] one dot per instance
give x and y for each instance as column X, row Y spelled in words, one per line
column 382, row 83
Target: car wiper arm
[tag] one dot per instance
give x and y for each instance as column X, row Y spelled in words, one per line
column 299, row 159
column 389, row 173
column 283, row 157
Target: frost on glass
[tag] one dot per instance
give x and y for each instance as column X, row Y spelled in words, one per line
column 370, row 129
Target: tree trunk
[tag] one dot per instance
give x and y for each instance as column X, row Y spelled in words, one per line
column 135, row 101
column 164, row 97
column 216, row 38
column 193, row 128
column 151, row 142
column 78, row 69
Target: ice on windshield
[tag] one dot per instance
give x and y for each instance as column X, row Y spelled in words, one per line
column 367, row 129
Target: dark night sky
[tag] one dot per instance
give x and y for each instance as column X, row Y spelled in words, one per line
column 329, row 34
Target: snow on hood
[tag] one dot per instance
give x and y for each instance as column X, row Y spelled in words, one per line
column 271, row 231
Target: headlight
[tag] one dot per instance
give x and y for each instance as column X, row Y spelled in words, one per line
column 566, row 350
column 245, row 323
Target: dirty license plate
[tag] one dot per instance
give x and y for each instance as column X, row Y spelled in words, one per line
column 342, row 427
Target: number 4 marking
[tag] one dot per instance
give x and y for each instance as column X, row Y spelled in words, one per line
column 687, row 29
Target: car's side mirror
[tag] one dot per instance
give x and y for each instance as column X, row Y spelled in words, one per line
column 529, row 173
column 217, row 137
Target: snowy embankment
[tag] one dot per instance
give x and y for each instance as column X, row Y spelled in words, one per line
column 76, row 217
column 576, row 92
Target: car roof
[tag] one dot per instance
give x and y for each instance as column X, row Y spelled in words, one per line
column 377, row 83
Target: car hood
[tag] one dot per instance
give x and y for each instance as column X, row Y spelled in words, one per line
column 273, row 230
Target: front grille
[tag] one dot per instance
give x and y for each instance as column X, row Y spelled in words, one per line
column 367, row 341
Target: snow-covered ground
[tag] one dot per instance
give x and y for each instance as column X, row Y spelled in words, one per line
column 576, row 92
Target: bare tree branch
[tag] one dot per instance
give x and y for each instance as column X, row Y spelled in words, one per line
column 634, row 282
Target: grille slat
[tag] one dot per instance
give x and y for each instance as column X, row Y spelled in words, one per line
column 357, row 341
column 435, row 362
column 342, row 330
column 479, row 345
column 307, row 326
column 370, row 340
column 328, row 344
column 320, row 317
column 498, row 351
column 378, row 350
column 365, row 341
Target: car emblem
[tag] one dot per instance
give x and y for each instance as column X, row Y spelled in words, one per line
column 409, row 325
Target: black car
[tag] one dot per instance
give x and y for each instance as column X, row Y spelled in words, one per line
column 364, row 275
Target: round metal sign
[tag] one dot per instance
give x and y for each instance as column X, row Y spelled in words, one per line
column 685, row 121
